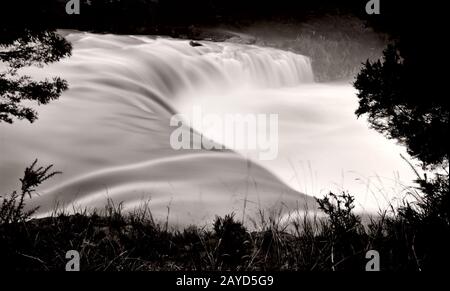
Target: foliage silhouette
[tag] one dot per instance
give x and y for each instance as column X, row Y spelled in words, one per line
column 12, row 207
column 21, row 47
column 386, row 94
column 234, row 240
column 398, row 97
column 346, row 235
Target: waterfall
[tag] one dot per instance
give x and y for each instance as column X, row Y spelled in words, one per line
column 109, row 133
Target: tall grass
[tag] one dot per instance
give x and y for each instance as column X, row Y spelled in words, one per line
column 333, row 240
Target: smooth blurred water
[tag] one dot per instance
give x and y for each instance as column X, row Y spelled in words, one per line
column 109, row 133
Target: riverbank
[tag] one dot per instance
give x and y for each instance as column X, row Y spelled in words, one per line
column 110, row 240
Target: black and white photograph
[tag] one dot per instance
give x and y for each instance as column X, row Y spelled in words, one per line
column 222, row 136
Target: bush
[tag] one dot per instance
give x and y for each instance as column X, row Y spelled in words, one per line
column 346, row 236
column 389, row 94
column 233, row 241
column 12, row 209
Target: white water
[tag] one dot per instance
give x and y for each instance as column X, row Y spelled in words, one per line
column 109, row 133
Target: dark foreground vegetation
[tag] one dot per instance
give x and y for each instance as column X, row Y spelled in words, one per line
column 414, row 237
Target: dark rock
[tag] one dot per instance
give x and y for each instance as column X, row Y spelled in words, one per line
column 194, row 43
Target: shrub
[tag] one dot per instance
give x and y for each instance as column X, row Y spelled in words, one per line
column 346, row 236
column 12, row 209
column 233, row 244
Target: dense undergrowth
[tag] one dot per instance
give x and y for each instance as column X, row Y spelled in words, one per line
column 414, row 237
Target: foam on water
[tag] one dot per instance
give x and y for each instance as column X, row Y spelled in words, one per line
column 109, row 133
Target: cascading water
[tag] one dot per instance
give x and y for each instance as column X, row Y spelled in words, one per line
column 110, row 132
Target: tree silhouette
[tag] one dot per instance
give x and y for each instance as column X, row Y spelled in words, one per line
column 392, row 97
column 398, row 97
column 22, row 47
